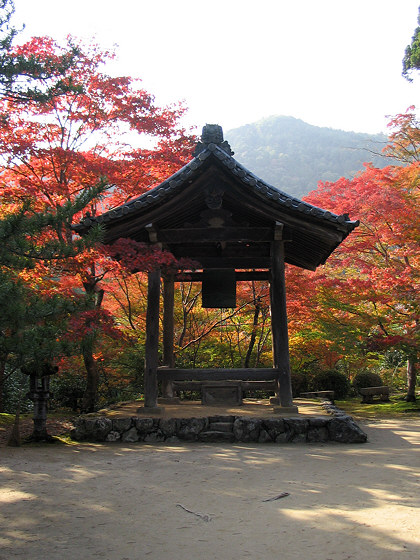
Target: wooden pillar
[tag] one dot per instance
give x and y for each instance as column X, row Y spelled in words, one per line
column 279, row 330
column 168, row 332
column 152, row 340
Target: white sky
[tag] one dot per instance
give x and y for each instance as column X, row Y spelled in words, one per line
column 334, row 63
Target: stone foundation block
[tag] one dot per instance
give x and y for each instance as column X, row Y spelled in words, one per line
column 130, row 436
column 337, row 427
column 189, row 428
column 247, row 429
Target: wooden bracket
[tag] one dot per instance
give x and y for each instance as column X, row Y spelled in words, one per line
column 278, row 231
column 151, row 230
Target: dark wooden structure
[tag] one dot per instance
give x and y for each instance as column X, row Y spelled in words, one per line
column 219, row 214
column 39, row 393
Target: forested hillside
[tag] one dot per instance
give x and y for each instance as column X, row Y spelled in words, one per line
column 294, row 156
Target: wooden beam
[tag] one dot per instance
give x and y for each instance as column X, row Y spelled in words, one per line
column 278, row 231
column 210, row 235
column 168, row 331
column 258, row 385
column 293, row 219
column 186, row 386
column 223, row 250
column 151, row 230
column 245, row 385
column 222, row 374
column 231, row 262
column 280, row 338
column 241, row 276
column 152, row 340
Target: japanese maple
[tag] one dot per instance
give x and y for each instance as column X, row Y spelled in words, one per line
column 371, row 282
column 51, row 153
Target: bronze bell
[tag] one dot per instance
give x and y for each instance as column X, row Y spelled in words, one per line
column 219, row 288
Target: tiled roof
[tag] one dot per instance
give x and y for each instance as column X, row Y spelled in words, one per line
column 220, row 151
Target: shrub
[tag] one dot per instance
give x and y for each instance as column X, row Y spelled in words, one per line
column 15, row 388
column 367, row 379
column 300, row 383
column 331, row 380
column 67, row 390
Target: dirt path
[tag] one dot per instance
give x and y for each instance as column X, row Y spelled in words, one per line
column 55, row 427
column 130, row 502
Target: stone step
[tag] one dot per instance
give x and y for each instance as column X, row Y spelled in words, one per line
column 220, row 427
column 213, row 435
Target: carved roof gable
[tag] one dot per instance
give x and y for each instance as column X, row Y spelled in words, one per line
column 207, row 189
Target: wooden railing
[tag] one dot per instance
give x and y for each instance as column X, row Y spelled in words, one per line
column 217, row 374
column 245, row 385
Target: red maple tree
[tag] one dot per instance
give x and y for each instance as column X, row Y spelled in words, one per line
column 370, row 284
column 53, row 153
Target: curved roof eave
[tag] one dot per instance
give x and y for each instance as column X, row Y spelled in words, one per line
column 171, row 186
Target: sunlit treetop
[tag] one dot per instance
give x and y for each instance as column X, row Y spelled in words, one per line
column 25, row 76
column 411, row 60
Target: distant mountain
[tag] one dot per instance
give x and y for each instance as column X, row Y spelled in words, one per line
column 294, row 156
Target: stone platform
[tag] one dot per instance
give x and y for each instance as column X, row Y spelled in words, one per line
column 254, row 421
column 175, row 408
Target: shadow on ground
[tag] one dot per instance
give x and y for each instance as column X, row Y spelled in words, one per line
column 208, row 500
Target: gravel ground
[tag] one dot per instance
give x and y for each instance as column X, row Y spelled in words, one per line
column 214, row 501
column 55, row 427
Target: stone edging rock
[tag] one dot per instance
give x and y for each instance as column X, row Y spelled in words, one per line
column 340, row 428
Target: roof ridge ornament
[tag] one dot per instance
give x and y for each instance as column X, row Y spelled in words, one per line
column 212, row 135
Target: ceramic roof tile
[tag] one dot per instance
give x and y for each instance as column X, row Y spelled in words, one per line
column 222, row 153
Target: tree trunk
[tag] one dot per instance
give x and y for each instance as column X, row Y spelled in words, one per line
column 152, row 340
column 168, row 332
column 411, row 379
column 14, row 438
column 253, row 334
column 2, row 380
column 90, row 396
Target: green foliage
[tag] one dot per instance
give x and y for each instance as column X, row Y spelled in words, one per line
column 367, row 379
column 120, row 369
column 190, row 395
column 6, row 419
column 294, row 156
column 7, row 32
column 31, row 326
column 67, row 390
column 16, row 385
column 300, row 383
column 127, row 364
column 118, row 385
column 25, row 76
column 393, row 369
column 411, row 60
column 393, row 409
column 208, row 352
column 21, row 233
column 330, row 380
column 34, row 313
